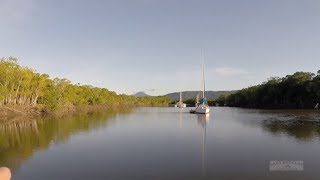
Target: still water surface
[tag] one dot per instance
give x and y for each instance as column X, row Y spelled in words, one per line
column 163, row 143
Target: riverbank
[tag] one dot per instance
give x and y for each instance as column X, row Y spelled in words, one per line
column 9, row 112
column 13, row 111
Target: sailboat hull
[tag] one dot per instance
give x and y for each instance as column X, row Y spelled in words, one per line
column 200, row 110
column 183, row 105
column 180, row 104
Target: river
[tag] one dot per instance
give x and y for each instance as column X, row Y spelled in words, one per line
column 163, row 143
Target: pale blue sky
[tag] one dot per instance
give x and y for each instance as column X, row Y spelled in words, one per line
column 155, row 45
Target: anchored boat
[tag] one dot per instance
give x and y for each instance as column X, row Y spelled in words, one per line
column 201, row 107
column 180, row 104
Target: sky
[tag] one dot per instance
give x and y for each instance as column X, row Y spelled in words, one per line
column 155, row 46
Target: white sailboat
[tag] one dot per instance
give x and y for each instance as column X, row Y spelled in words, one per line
column 202, row 107
column 180, row 104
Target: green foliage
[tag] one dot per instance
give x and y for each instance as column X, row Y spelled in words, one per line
column 300, row 90
column 24, row 86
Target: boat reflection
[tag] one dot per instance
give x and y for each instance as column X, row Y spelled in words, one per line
column 181, row 119
column 203, row 120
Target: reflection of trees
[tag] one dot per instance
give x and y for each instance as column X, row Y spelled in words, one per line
column 20, row 137
column 301, row 130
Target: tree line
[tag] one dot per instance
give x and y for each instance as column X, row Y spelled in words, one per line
column 299, row 90
column 23, row 86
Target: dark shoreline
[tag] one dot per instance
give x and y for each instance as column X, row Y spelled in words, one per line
column 7, row 113
column 11, row 112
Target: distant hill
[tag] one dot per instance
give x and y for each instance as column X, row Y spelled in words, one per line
column 193, row 94
column 140, row 94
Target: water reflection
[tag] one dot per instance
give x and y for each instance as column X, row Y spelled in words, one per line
column 301, row 130
column 20, row 137
column 303, row 125
column 203, row 120
column 180, row 119
column 148, row 144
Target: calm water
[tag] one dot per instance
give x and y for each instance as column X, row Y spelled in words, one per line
column 163, row 143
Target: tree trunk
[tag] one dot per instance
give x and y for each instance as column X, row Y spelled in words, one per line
column 17, row 91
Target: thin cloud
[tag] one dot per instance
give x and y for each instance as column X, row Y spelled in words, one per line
column 228, row 71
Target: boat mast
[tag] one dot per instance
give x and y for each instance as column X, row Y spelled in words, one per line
column 203, row 80
column 180, row 96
